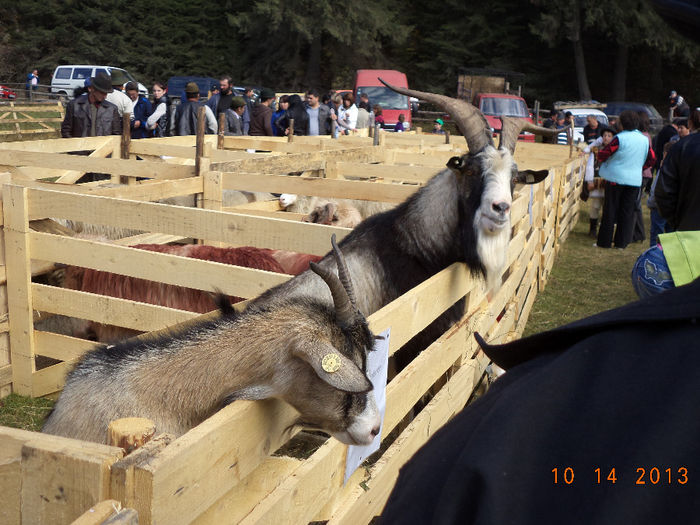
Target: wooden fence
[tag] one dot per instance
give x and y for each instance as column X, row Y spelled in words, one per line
column 224, row 470
column 19, row 121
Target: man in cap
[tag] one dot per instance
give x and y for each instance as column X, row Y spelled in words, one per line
column 117, row 96
column 187, row 111
column 234, row 117
column 437, row 126
column 90, row 115
column 261, row 116
column 140, row 112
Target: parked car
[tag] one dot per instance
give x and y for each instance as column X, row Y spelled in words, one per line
column 580, row 115
column 7, row 93
column 495, row 105
column 657, row 121
column 66, row 79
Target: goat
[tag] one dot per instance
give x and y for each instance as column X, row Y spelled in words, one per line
column 280, row 350
column 171, row 296
column 335, row 214
column 462, row 214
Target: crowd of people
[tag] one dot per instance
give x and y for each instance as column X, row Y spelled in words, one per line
column 98, row 107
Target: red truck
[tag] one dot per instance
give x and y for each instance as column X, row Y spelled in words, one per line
column 393, row 104
column 494, row 105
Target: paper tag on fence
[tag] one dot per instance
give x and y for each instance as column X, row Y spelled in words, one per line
column 377, row 364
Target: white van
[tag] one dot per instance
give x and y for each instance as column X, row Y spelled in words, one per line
column 66, row 79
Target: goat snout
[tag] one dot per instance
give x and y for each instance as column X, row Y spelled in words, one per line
column 501, row 207
column 375, row 431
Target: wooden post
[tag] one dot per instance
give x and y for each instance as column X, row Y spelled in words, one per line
column 536, row 111
column 199, row 148
column 222, row 127
column 130, row 433
column 126, row 135
column 377, row 132
column 371, row 130
column 447, row 137
column 290, row 137
column 19, row 277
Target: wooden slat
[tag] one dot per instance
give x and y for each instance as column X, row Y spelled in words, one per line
column 132, row 168
column 102, row 309
column 233, row 229
column 61, row 347
column 69, row 177
column 387, row 171
column 19, row 300
column 160, row 267
column 371, row 191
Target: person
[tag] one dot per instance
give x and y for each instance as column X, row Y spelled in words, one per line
column 319, row 114
column 683, row 128
column 282, row 107
column 249, row 97
column 378, row 117
column 32, row 83
column 592, row 129
column 141, row 110
column 562, row 137
column 658, row 224
column 399, row 125
column 117, row 96
column 592, row 178
column 591, row 423
column 669, row 131
column 678, row 106
column 90, row 114
column 220, row 101
column 337, row 106
column 261, row 115
column 187, row 112
column 296, row 112
column 234, row 117
column 347, row 116
column 677, row 190
column 550, row 123
column 364, row 103
column 622, row 162
column 159, row 120
column 437, row 126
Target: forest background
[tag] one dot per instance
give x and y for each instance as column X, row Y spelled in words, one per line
column 566, row 49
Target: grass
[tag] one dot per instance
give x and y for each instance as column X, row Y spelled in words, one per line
column 584, row 281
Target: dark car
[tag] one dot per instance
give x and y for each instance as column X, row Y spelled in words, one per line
column 615, row 108
column 176, row 85
column 6, row 92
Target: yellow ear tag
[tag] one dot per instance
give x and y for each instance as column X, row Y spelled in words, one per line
column 330, row 363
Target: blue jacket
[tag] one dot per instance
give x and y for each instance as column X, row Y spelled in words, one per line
column 142, row 110
column 625, row 165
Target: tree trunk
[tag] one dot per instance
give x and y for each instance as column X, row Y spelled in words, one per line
column 584, row 90
column 313, row 66
column 619, row 79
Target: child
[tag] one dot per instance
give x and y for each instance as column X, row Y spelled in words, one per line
column 399, row 125
column 437, row 127
column 597, row 193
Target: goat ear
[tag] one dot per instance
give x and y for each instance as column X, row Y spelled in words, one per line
column 530, row 176
column 333, row 367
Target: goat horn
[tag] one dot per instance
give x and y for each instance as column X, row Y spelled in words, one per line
column 343, row 298
column 470, row 121
column 511, row 128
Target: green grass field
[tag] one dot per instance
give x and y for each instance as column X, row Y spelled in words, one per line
column 584, row 281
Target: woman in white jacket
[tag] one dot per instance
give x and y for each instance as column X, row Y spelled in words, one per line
column 347, row 116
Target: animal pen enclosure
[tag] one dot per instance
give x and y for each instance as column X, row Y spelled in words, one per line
column 224, row 470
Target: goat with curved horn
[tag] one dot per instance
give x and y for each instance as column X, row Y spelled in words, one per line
column 340, row 286
column 512, row 127
column 470, row 121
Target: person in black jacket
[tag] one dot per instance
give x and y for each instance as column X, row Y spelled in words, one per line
column 677, row 190
column 90, row 115
column 186, row 114
column 593, row 422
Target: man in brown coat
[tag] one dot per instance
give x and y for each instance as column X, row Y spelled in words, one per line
column 90, row 115
column 261, row 118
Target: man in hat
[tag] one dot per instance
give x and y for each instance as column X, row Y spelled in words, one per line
column 234, row 117
column 679, row 107
column 90, row 115
column 187, row 113
column 438, row 123
column 117, row 96
column 261, row 116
